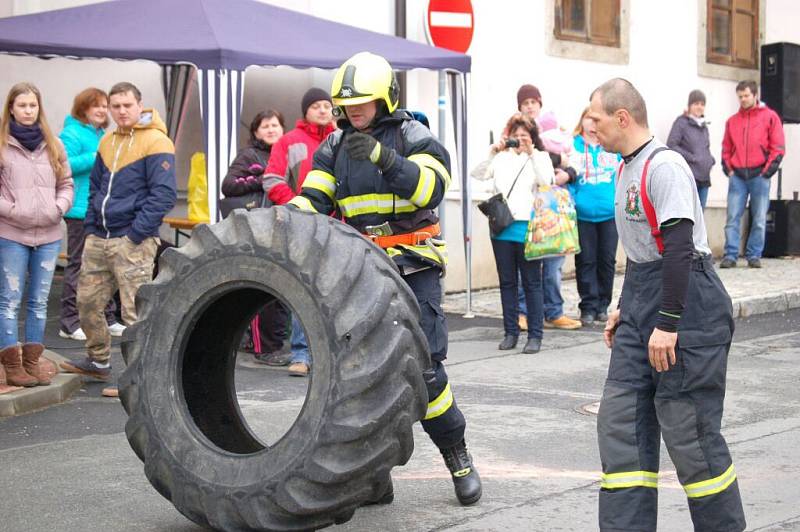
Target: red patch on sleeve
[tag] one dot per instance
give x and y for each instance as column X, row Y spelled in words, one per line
column 165, row 165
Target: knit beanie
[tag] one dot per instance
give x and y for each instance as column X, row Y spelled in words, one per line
column 312, row 95
column 696, row 96
column 528, row 91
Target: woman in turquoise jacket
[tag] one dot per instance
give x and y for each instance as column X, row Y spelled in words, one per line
column 82, row 132
column 593, row 191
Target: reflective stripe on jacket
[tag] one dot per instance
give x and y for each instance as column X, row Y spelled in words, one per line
column 403, row 195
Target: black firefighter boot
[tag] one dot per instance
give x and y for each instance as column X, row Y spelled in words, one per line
column 466, row 480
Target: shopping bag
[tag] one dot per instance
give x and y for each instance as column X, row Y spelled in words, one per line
column 553, row 229
column 197, row 196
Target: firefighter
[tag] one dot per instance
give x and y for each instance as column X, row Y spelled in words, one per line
column 384, row 172
column 669, row 338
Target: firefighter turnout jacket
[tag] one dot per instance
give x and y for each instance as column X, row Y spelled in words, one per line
column 397, row 200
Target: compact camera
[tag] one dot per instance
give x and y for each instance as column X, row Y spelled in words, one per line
column 512, row 143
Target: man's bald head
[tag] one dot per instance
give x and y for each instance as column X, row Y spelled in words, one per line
column 618, row 93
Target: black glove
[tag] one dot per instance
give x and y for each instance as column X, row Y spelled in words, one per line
column 361, row 147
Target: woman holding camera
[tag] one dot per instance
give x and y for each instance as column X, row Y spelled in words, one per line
column 516, row 166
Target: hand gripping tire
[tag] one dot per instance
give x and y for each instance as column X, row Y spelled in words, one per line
column 365, row 393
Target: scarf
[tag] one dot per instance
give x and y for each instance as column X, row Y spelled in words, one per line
column 28, row 136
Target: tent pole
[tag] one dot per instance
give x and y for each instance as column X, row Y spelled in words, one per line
column 442, row 129
column 467, row 197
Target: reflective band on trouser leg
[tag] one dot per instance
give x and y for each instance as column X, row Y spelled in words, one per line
column 629, row 442
column 439, row 406
column 629, row 479
column 444, row 422
column 711, row 486
column 302, row 203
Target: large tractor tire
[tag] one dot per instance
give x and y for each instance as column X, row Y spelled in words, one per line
column 365, row 392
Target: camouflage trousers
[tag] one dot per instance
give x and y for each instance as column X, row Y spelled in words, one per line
column 108, row 264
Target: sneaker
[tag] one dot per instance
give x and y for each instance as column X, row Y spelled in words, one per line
column 298, row 369
column 116, row 329
column 562, row 322
column 276, row 359
column 754, row 263
column 87, row 367
column 587, row 319
column 727, row 263
column 111, row 391
column 523, row 322
column 602, row 317
column 78, row 334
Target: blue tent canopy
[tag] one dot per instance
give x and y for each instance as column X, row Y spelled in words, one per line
column 221, row 38
column 227, row 34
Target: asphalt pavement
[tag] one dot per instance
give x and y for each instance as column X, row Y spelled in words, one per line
column 530, row 429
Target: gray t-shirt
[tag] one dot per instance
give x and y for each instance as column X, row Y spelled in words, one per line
column 673, row 193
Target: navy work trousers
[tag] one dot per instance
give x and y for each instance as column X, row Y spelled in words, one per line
column 444, row 422
column 683, row 404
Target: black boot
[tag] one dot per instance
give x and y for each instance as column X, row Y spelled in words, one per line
column 509, row 342
column 466, row 480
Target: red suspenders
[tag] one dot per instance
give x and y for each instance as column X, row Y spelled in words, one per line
column 649, row 210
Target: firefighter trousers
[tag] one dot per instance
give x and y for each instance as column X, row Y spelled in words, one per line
column 683, row 404
column 443, row 422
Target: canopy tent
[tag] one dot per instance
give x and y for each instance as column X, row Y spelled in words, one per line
column 221, row 38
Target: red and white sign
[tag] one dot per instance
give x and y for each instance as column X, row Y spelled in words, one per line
column 449, row 24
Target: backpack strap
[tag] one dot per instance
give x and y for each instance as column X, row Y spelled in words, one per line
column 647, row 205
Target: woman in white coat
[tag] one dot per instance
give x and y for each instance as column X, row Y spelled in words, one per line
column 516, row 166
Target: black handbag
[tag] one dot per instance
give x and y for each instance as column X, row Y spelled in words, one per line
column 497, row 210
column 252, row 200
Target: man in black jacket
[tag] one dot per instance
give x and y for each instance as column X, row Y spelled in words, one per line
column 385, row 173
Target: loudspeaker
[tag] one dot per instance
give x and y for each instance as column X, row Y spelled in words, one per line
column 783, row 229
column 780, row 79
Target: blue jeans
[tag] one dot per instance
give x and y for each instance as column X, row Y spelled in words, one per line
column 702, row 192
column 738, row 190
column 299, row 343
column 510, row 260
column 551, row 286
column 18, row 262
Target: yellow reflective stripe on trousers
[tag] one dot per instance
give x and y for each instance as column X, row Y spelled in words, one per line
column 302, row 203
column 424, row 159
column 427, row 182
column 439, row 406
column 374, row 204
column 322, row 181
column 629, row 479
column 711, row 486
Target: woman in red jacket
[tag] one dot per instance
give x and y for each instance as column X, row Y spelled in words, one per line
column 291, row 159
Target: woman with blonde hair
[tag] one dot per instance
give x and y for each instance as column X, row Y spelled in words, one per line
column 35, row 192
column 593, row 192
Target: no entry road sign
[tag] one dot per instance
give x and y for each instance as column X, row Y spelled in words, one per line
column 450, row 24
